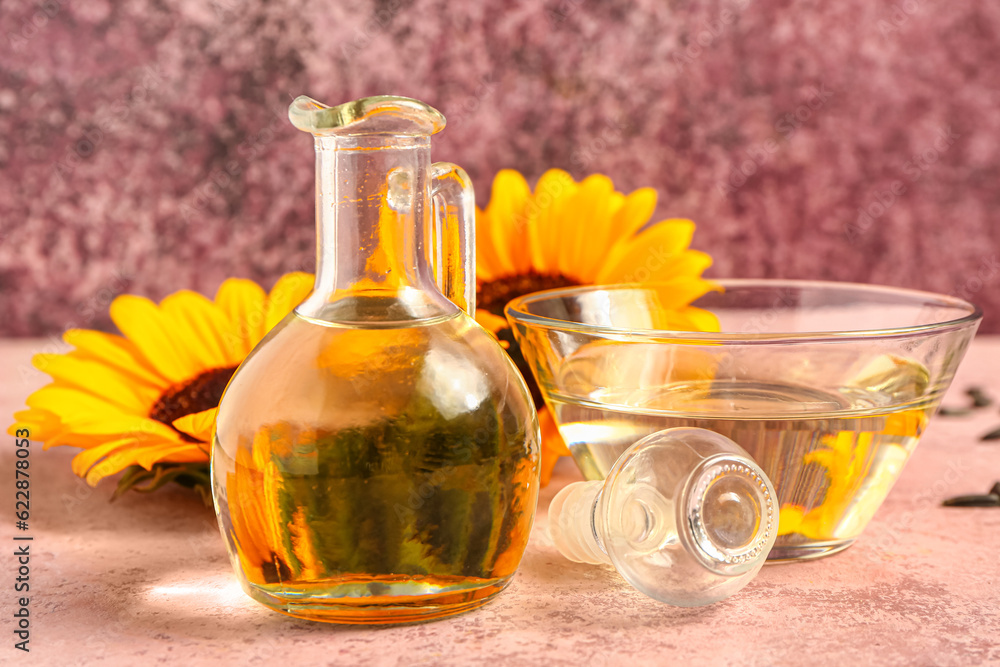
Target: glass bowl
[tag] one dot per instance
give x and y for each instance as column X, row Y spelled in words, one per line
column 827, row 385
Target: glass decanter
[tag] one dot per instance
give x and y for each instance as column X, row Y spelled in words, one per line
column 376, row 455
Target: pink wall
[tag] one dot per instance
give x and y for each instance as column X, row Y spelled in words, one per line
column 144, row 145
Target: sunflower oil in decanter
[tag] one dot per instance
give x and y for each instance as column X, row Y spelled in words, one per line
column 376, row 455
column 382, row 475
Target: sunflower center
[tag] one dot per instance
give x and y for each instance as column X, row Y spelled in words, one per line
column 199, row 393
column 493, row 295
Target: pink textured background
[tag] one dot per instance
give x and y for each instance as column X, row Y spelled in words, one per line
column 144, row 147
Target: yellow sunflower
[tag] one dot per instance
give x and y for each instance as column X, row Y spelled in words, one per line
column 567, row 233
column 847, row 460
column 146, row 400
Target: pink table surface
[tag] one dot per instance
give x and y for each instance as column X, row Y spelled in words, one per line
column 146, row 580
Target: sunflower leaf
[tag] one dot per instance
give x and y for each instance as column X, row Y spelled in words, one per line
column 189, row 475
column 133, row 475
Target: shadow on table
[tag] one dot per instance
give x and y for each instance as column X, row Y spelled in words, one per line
column 64, row 504
column 580, row 594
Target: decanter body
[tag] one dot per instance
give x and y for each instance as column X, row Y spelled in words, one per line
column 376, row 456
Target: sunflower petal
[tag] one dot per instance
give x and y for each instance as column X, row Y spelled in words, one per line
column 198, row 425
column 790, row 519
column 144, row 455
column 115, row 351
column 243, row 302
column 490, row 322
column 635, row 212
column 677, row 293
column 41, row 424
column 126, row 425
column 98, row 379
column 684, row 319
column 508, row 200
column 675, row 234
column 84, row 462
column 595, row 238
column 149, row 329
column 71, row 438
column 698, row 319
column 200, row 326
column 290, row 290
column 72, row 404
column 546, row 220
column 184, row 453
column 583, row 247
column 643, row 258
column 110, row 457
column 688, row 263
column 487, row 264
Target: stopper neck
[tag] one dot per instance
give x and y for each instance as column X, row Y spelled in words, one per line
column 573, row 524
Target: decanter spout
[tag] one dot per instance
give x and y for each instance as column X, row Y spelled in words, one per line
column 383, row 114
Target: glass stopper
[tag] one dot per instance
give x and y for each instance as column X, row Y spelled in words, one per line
column 685, row 515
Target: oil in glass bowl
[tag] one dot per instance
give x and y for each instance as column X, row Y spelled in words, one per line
column 833, row 455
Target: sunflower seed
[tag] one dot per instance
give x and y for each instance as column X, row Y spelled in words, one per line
column 953, row 412
column 992, row 435
column 986, row 500
column 979, row 397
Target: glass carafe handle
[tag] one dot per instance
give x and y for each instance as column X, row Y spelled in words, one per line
column 454, row 249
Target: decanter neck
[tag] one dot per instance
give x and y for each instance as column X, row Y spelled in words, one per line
column 373, row 224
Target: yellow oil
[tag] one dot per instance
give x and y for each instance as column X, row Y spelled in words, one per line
column 831, row 455
column 375, row 474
